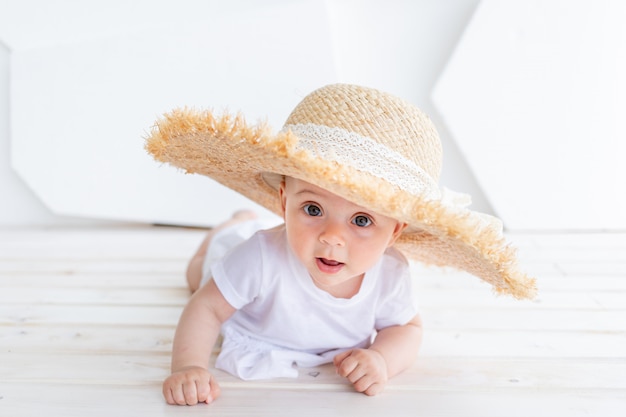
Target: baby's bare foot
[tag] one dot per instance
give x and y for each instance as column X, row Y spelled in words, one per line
column 243, row 215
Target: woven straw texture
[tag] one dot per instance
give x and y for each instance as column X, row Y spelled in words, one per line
column 238, row 155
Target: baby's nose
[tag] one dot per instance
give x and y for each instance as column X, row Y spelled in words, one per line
column 333, row 235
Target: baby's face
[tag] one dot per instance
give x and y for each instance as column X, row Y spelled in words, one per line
column 336, row 240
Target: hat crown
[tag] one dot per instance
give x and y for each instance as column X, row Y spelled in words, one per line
column 387, row 120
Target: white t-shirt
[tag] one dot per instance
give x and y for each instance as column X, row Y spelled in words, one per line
column 281, row 313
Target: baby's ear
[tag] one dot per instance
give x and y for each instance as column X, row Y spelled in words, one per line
column 397, row 231
column 283, row 197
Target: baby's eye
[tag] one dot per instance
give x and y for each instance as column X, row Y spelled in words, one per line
column 362, row 221
column 312, row 210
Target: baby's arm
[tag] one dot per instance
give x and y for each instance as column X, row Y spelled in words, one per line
column 196, row 333
column 394, row 350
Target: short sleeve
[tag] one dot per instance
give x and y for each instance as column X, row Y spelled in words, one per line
column 397, row 304
column 238, row 274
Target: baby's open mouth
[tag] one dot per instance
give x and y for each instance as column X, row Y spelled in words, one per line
column 329, row 266
column 329, row 262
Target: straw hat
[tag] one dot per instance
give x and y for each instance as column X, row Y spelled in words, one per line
column 367, row 146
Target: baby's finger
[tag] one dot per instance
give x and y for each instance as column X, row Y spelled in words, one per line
column 357, row 374
column 169, row 397
column 215, row 389
column 340, row 357
column 190, row 392
column 203, row 389
column 208, row 390
column 364, row 384
column 177, row 395
column 374, row 389
column 347, row 366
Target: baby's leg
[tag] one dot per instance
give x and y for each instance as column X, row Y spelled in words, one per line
column 194, row 269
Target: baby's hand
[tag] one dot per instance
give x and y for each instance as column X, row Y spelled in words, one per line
column 189, row 386
column 366, row 369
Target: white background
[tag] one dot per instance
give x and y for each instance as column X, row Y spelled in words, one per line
column 81, row 82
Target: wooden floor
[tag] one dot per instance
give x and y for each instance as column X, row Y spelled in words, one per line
column 87, row 317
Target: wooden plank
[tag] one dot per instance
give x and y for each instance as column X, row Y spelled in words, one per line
column 611, row 268
column 142, row 274
column 539, row 242
column 455, row 299
column 33, row 399
column 527, row 319
column 594, row 269
column 433, row 278
column 523, row 344
column 95, row 265
column 95, row 315
column 579, row 255
column 48, row 293
column 430, row 372
column 473, row 343
column 444, row 318
column 85, row 338
column 117, row 280
column 89, row 243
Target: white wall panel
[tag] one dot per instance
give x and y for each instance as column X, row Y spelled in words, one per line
column 535, row 97
column 80, row 104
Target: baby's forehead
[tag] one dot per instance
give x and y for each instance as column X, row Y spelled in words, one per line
column 298, row 187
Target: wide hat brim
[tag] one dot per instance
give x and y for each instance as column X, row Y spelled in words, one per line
column 240, row 156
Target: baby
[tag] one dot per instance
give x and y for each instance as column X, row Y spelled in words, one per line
column 354, row 176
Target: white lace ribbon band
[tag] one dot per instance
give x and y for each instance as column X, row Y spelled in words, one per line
column 366, row 155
